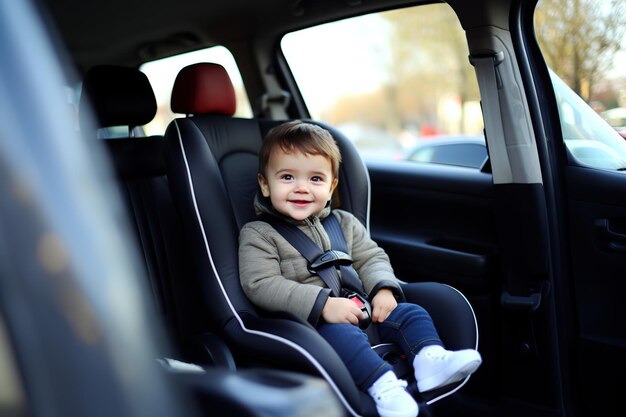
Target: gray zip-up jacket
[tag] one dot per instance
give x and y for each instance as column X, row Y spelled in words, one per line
column 275, row 277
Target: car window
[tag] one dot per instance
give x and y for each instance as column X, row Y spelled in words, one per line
column 586, row 51
column 163, row 72
column 406, row 82
column 590, row 140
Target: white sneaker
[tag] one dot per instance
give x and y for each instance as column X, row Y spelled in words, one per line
column 435, row 367
column 391, row 397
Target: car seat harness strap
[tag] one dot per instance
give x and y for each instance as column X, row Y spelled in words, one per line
column 334, row 266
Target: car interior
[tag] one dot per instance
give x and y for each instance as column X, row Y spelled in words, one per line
column 521, row 257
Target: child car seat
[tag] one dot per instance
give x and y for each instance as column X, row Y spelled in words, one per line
column 213, row 163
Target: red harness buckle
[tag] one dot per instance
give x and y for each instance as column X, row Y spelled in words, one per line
column 365, row 307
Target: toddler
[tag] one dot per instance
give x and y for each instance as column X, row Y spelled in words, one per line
column 298, row 172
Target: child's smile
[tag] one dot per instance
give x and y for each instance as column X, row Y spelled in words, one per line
column 298, row 185
column 300, row 203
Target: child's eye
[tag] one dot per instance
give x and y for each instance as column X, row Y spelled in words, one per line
column 286, row 177
column 317, row 179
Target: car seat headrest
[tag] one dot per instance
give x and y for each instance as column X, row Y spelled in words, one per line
column 203, row 88
column 118, row 96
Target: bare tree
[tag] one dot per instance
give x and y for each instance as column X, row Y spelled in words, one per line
column 429, row 57
column 579, row 38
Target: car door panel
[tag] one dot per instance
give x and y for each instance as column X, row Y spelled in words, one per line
column 437, row 224
column 454, row 262
column 597, row 228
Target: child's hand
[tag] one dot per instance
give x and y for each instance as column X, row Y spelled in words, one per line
column 383, row 304
column 341, row 310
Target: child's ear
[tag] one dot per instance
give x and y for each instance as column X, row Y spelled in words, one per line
column 334, row 185
column 265, row 189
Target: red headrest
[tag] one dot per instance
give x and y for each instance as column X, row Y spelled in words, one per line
column 203, row 88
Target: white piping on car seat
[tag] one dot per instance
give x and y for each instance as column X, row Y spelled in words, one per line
column 475, row 347
column 288, row 342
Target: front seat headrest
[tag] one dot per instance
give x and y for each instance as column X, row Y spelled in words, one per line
column 118, row 96
column 203, row 88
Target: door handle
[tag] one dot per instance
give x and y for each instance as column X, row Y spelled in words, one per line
column 607, row 238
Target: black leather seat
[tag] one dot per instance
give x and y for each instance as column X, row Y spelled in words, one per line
column 123, row 97
column 213, row 162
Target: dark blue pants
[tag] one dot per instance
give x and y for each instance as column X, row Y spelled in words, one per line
column 408, row 325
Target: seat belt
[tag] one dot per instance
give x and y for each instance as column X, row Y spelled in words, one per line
column 518, row 299
column 517, row 295
column 329, row 264
column 338, row 257
column 334, row 266
column 320, row 262
column 490, row 83
column 274, row 105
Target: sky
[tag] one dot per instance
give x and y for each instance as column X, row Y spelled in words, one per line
column 363, row 40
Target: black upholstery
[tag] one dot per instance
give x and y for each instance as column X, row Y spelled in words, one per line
column 166, row 254
column 213, row 162
column 123, row 97
column 119, row 96
column 212, row 215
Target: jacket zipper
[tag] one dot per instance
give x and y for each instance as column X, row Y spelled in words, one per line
column 315, row 230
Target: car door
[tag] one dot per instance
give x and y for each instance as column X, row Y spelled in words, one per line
column 551, row 230
column 590, row 200
column 596, row 205
column 587, row 205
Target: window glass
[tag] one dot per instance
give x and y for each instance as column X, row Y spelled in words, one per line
column 406, row 80
column 163, row 72
column 585, row 47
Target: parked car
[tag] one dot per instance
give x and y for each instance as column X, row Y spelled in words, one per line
column 105, row 278
column 460, row 150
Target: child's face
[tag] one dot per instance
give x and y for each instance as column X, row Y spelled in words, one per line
column 298, row 185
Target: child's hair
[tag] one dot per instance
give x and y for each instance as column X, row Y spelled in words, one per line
column 298, row 136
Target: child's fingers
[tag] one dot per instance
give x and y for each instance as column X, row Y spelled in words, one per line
column 341, row 310
column 353, row 313
column 357, row 313
column 379, row 314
